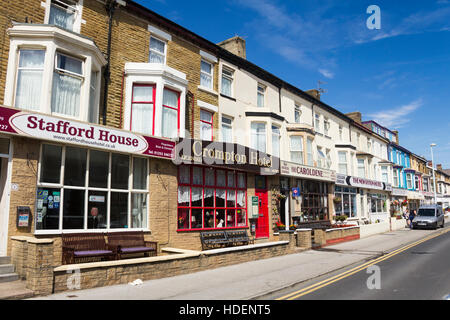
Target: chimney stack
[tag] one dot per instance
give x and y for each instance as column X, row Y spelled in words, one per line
column 314, row 93
column 235, row 45
column 355, row 116
column 439, row 167
column 396, row 136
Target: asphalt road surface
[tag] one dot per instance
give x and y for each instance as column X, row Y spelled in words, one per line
column 418, row 271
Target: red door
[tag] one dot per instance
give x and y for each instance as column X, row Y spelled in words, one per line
column 262, row 224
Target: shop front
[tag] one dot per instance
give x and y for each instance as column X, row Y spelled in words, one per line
column 399, row 201
column 359, row 198
column 217, row 185
column 415, row 198
column 70, row 176
column 310, row 198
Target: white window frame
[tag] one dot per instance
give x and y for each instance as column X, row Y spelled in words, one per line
column 254, row 143
column 78, row 7
column 261, row 91
column 210, row 124
column 317, row 123
column 157, row 52
column 309, row 152
column 409, row 181
column 210, row 75
column 384, row 174
column 227, row 125
column 300, row 151
column 297, row 111
column 276, row 135
column 87, row 188
column 229, row 74
column 341, row 164
column 326, row 126
column 396, row 179
column 363, row 167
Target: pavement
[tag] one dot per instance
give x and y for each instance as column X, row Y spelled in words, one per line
column 254, row 279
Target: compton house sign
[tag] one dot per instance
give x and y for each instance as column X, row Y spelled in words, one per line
column 39, row 126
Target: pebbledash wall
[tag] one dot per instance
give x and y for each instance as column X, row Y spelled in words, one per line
column 38, row 154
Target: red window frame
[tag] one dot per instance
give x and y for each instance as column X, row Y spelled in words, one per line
column 177, row 108
column 143, row 102
column 214, row 208
column 209, row 123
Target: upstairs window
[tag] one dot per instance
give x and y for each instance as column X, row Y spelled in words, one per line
column 326, row 126
column 157, row 51
column 361, row 168
column 309, row 152
column 341, row 133
column 29, row 79
column 63, row 13
column 276, row 135
column 227, row 129
column 384, row 174
column 143, row 108
column 317, row 123
column 206, row 125
column 396, row 180
column 67, row 81
column 321, row 158
column 297, row 114
column 259, row 136
column 227, row 82
column 206, row 74
column 297, row 149
column 261, row 93
column 342, row 157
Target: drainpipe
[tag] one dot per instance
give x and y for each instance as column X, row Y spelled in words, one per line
column 110, row 8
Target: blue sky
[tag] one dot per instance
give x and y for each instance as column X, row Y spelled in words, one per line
column 398, row 76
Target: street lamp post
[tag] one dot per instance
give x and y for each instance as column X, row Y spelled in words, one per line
column 434, row 178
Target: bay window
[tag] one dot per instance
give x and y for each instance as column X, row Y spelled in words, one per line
column 29, row 79
column 409, row 184
column 258, row 136
column 83, row 189
column 211, row 199
column 170, row 114
column 157, row 51
column 143, row 108
column 297, row 149
column 206, row 125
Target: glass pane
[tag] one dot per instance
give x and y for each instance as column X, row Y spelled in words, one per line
column 209, row 198
column 32, row 59
column 142, row 93
column 184, row 174
column 205, row 116
column 140, row 173
column 66, row 94
column 240, row 217
column 62, row 17
column 296, row 143
column 220, row 198
column 75, row 167
column 29, row 87
column 97, row 209
column 197, row 219
column 220, row 218
column 169, row 123
column 241, row 180
column 47, row 212
column 119, row 210
column 205, row 131
column 197, row 197
column 73, row 210
column 197, row 176
column 221, row 178
column 209, row 218
column 4, row 145
column 231, row 199
column 69, row 64
column 183, row 218
column 51, row 164
column 119, row 171
column 231, row 218
column 98, row 169
column 206, row 67
column 184, row 196
column 138, row 210
column 142, row 118
column 205, row 80
column 156, row 58
column 170, row 98
column 226, row 86
column 157, row 45
column 209, row 177
column 240, row 200
column 231, row 179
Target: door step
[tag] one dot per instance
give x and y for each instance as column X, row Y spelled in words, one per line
column 6, row 268
column 5, row 260
column 15, row 290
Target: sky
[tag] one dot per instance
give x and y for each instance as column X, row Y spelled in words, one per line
column 397, row 75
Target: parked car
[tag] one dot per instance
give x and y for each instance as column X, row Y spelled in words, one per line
column 430, row 216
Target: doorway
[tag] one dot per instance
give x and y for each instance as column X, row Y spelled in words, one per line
column 262, row 223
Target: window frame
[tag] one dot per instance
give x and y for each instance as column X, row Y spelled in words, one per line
column 76, row 6
column 261, row 91
column 170, row 107
column 86, row 188
column 228, row 125
column 215, row 187
column 211, row 124
column 230, row 77
column 157, row 52
column 297, row 111
column 341, row 163
column 300, row 151
column 276, row 135
column 137, row 84
column 254, row 135
column 211, row 75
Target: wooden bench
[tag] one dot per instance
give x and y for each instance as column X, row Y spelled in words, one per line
column 83, row 247
column 239, row 237
column 213, row 239
column 130, row 243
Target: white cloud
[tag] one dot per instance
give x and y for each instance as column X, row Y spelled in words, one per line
column 326, row 73
column 397, row 117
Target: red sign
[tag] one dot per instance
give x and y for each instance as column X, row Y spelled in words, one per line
column 39, row 126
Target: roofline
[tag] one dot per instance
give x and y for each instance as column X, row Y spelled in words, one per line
column 379, row 125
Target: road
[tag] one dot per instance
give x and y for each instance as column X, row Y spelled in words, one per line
column 419, row 271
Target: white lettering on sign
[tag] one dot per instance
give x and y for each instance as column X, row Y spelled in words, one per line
column 45, row 127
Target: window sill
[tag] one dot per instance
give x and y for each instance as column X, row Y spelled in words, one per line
column 228, row 97
column 208, row 90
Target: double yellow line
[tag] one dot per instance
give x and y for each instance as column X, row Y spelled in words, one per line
column 317, row 286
